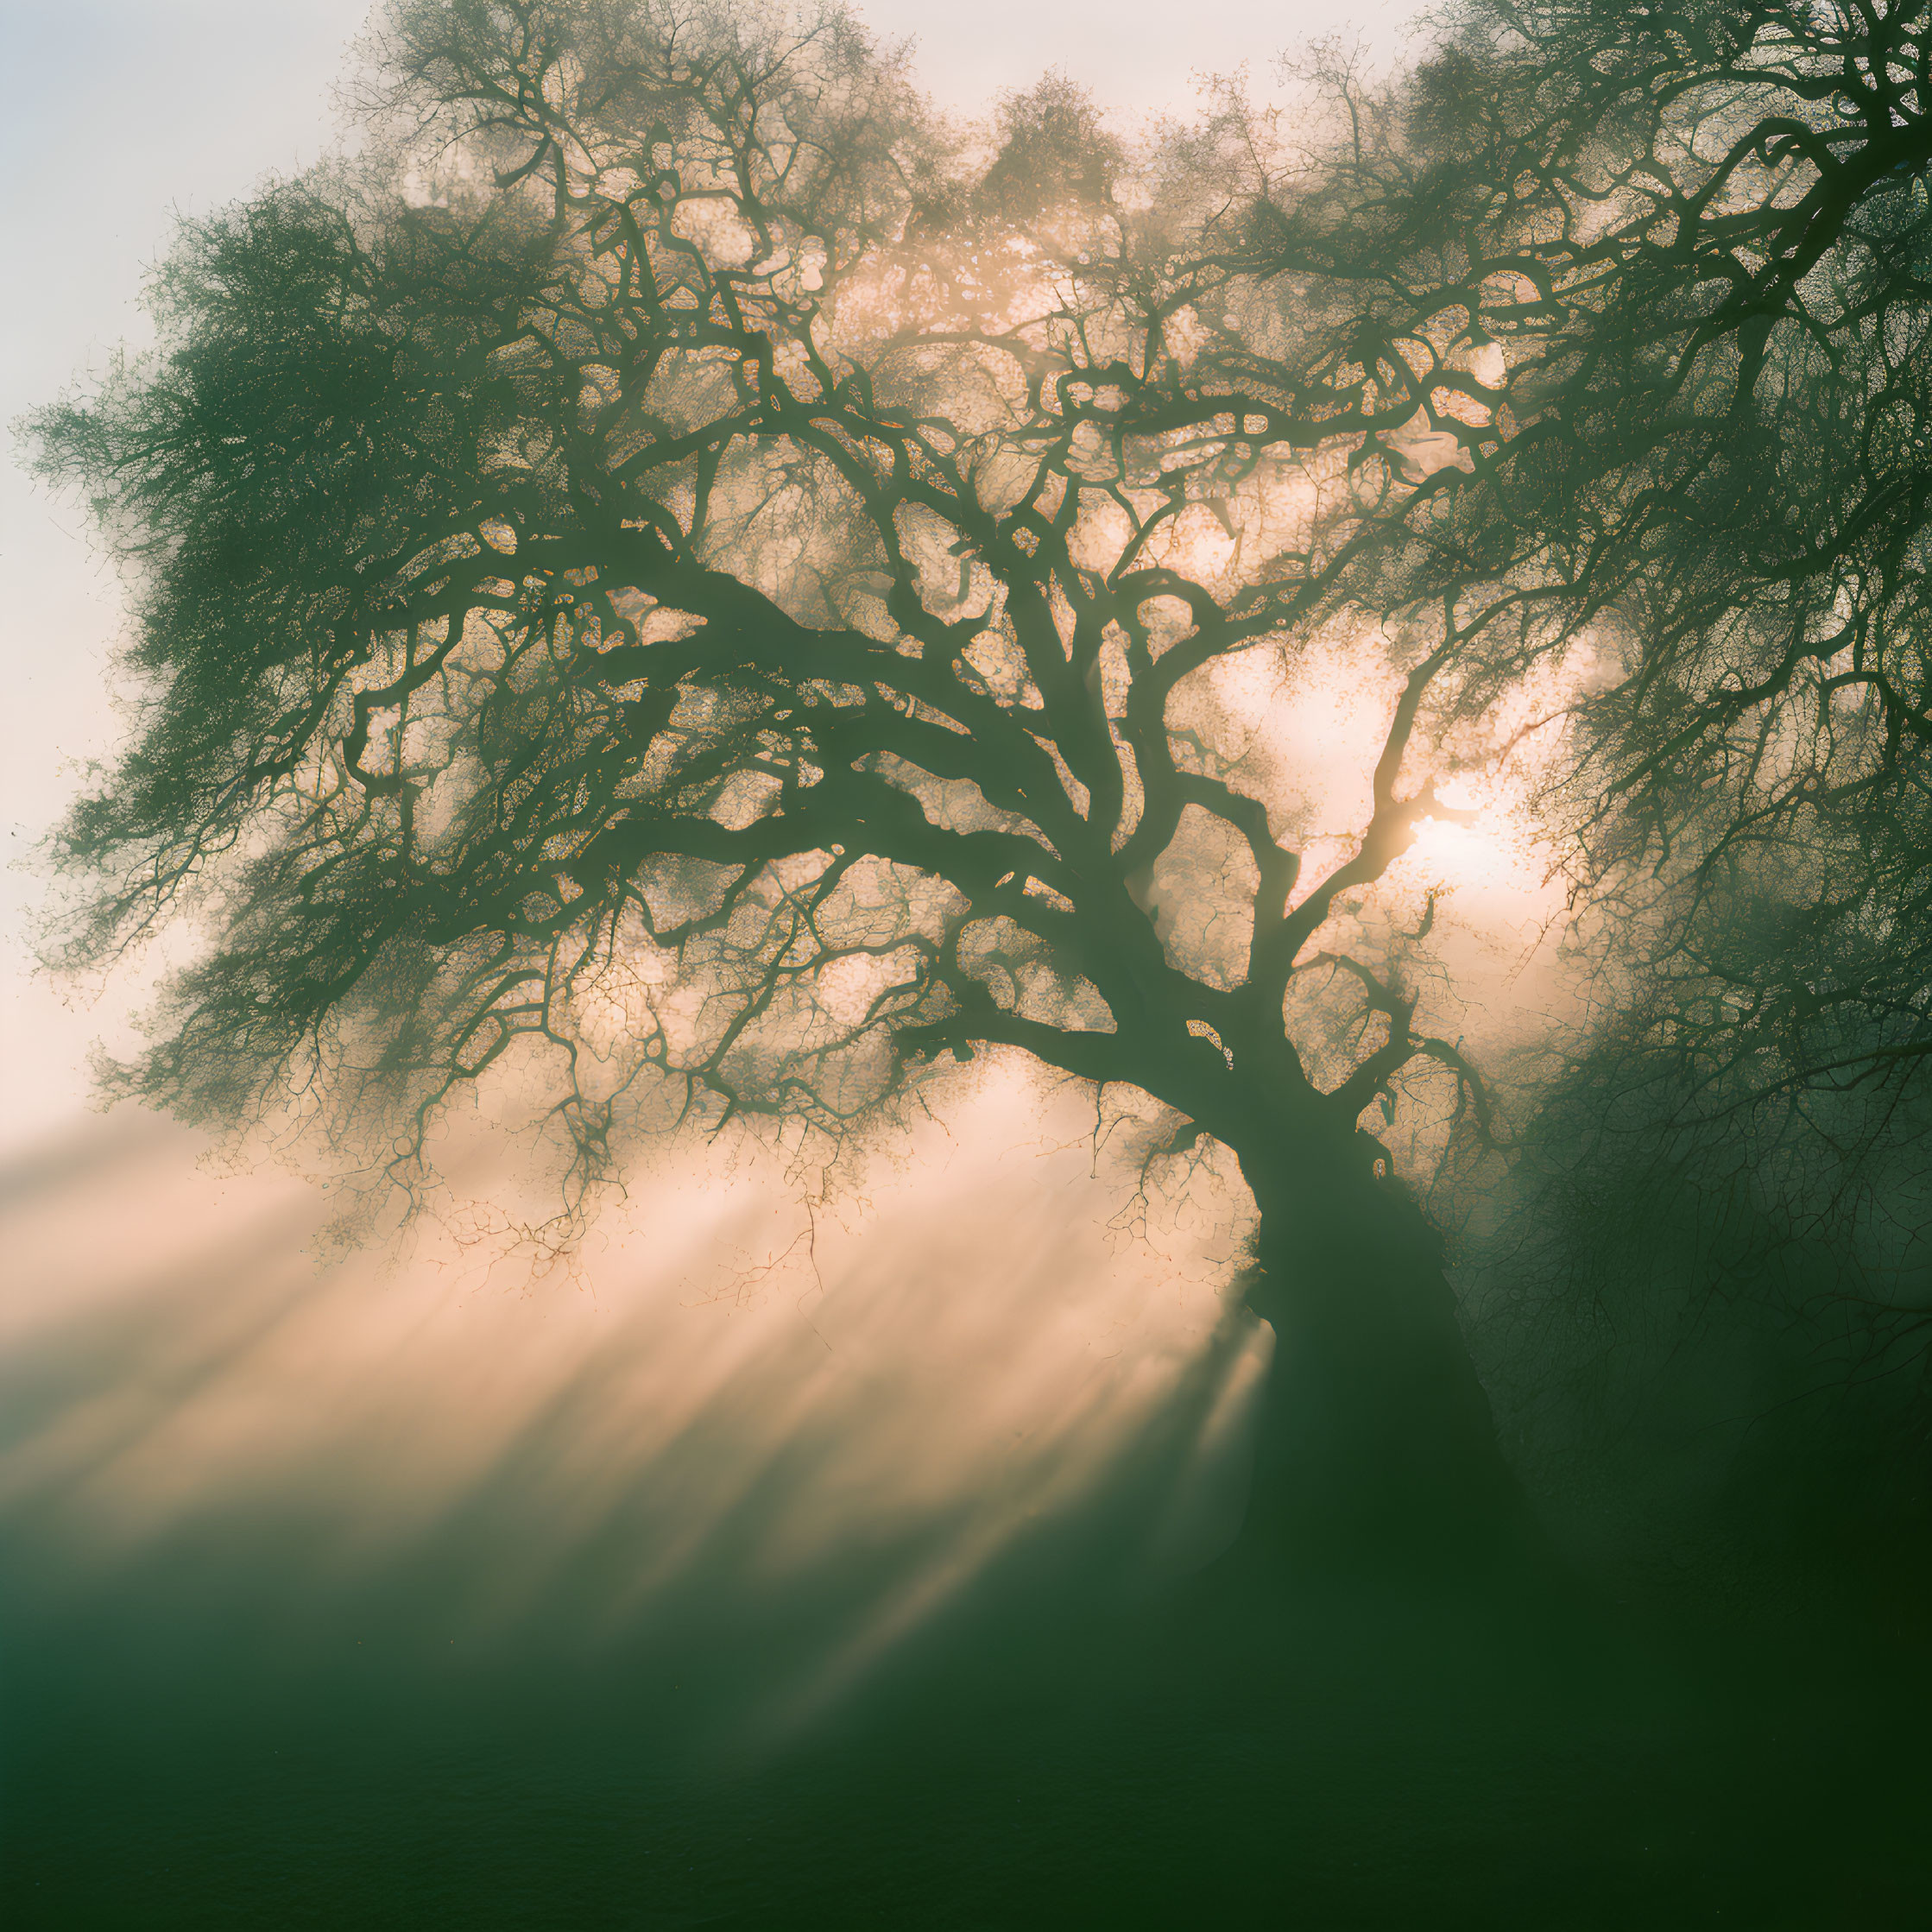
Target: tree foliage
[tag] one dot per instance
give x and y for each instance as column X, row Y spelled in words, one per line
column 685, row 565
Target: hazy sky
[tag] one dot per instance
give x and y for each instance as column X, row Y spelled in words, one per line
column 128, row 110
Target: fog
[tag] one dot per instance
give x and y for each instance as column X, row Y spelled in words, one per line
column 367, row 1567
column 721, row 1393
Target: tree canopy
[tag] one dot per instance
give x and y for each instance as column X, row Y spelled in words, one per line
column 698, row 580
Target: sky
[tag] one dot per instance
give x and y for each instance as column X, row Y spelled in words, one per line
column 189, row 1350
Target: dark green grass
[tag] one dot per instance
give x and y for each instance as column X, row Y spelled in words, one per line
column 1272, row 1751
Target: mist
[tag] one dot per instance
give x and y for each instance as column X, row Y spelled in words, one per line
column 847, row 1420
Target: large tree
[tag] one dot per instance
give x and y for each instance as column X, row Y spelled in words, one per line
column 683, row 572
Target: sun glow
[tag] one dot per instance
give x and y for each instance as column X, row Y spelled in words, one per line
column 1494, row 850
column 1446, row 853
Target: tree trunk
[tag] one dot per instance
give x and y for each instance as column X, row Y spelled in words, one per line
column 1377, row 1447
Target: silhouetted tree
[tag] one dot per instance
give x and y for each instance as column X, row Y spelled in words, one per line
column 676, row 577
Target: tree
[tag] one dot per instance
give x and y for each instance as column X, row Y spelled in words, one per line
column 676, row 574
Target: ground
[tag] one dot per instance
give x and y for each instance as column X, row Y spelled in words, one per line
column 1300, row 1752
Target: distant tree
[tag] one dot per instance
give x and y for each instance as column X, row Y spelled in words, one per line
column 1054, row 150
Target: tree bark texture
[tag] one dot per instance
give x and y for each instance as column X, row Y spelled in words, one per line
column 1377, row 1444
